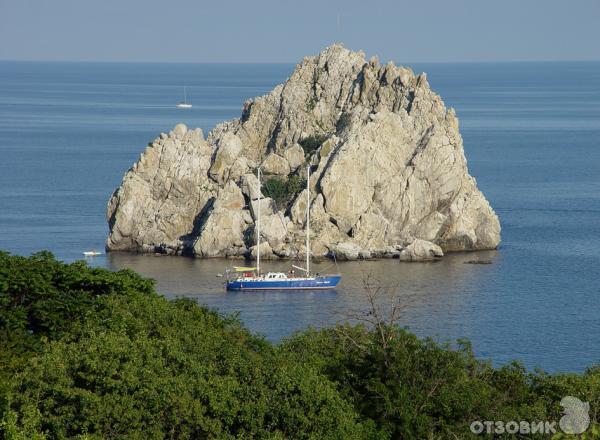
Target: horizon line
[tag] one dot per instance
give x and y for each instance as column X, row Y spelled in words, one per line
column 294, row 62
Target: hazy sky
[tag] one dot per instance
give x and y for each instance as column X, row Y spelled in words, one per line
column 286, row 30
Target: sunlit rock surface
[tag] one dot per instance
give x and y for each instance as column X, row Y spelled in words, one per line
column 389, row 174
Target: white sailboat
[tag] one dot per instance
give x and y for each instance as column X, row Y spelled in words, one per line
column 92, row 253
column 184, row 103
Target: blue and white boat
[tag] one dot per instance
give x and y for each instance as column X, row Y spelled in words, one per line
column 280, row 281
column 251, row 278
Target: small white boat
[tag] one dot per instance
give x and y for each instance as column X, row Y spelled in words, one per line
column 184, row 104
column 92, row 253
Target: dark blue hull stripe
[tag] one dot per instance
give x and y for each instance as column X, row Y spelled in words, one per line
column 319, row 283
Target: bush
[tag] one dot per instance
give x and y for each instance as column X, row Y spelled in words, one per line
column 283, row 190
column 295, row 184
column 312, row 143
column 343, row 122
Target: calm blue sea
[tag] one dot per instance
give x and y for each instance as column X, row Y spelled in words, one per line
column 68, row 132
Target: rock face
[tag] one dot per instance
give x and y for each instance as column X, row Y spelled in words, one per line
column 163, row 197
column 389, row 173
column 421, row 250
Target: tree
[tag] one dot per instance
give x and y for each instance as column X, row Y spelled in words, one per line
column 139, row 366
column 89, row 354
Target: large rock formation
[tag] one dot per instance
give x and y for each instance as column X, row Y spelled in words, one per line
column 387, row 161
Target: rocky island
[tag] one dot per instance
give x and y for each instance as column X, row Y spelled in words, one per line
column 389, row 174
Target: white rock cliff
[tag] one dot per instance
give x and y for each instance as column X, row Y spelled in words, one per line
column 389, row 173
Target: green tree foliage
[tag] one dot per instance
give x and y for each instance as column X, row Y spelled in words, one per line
column 283, row 190
column 416, row 388
column 101, row 355
column 139, row 366
column 41, row 297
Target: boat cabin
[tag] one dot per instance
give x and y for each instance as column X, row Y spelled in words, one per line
column 275, row 276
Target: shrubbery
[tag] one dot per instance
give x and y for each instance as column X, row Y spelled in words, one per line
column 312, row 143
column 88, row 353
column 283, row 190
column 343, row 122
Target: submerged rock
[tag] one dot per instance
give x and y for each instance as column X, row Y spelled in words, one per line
column 478, row 262
column 388, row 169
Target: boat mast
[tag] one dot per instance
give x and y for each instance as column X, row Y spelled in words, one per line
column 308, row 221
column 258, row 226
column 184, row 95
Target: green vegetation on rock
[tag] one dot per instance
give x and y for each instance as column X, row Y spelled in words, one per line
column 311, row 143
column 343, row 122
column 91, row 354
column 283, row 190
column 311, row 103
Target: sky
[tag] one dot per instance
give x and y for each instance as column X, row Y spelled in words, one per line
column 286, row 30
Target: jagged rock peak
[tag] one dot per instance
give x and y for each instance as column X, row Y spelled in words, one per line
column 321, row 92
column 387, row 161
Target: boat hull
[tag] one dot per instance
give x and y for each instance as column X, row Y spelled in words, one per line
column 314, row 283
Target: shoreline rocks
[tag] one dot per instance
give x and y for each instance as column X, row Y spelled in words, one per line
column 421, row 250
column 389, row 175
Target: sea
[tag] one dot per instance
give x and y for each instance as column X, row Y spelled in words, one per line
column 69, row 131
